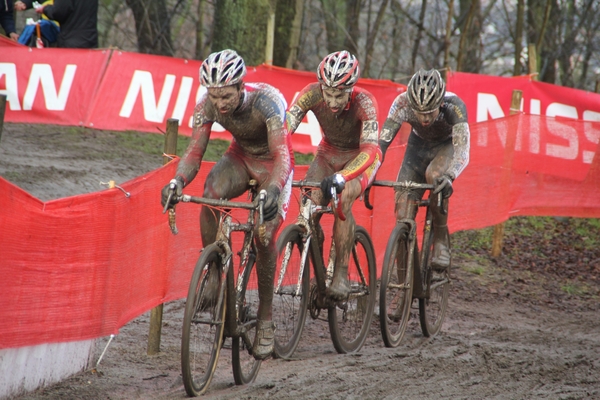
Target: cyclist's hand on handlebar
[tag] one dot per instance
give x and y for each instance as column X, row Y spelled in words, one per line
column 336, row 181
column 443, row 184
column 173, row 188
column 271, row 205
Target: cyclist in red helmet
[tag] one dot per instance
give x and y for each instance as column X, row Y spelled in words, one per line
column 437, row 150
column 254, row 114
column 348, row 156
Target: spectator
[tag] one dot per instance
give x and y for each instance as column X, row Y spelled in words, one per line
column 7, row 19
column 21, row 6
column 78, row 21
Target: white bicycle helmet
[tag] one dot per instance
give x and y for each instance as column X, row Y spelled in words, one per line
column 339, row 70
column 223, row 68
column 426, row 90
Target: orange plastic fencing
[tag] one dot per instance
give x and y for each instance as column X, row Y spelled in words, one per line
column 82, row 267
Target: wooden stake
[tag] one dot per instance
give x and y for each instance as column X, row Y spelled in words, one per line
column 533, row 71
column 157, row 312
column 498, row 235
column 2, row 111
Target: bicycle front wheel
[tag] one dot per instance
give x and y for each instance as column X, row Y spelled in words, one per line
column 395, row 290
column 203, row 322
column 245, row 367
column 350, row 320
column 292, row 286
column 432, row 308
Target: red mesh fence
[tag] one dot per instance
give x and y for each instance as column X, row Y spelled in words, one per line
column 81, row 267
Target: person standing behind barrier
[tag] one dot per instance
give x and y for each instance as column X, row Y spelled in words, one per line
column 78, row 21
column 7, row 19
column 348, row 157
column 437, row 151
column 254, row 114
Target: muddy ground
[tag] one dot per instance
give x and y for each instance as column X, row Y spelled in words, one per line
column 513, row 330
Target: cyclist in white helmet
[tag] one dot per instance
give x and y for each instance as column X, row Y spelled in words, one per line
column 437, row 150
column 348, row 156
column 254, row 114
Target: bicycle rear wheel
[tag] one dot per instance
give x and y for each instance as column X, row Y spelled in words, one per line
column 203, row 322
column 432, row 309
column 350, row 320
column 245, row 367
column 290, row 299
column 395, row 291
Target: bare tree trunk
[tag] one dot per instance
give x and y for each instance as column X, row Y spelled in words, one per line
column 153, row 27
column 332, row 13
column 270, row 33
column 294, row 42
column 241, row 26
column 465, row 37
column 371, row 39
column 448, row 37
column 470, row 46
column 519, row 37
column 538, row 14
column 352, row 19
column 420, row 29
column 200, row 32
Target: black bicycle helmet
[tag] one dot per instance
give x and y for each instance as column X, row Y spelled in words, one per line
column 426, row 90
column 224, row 68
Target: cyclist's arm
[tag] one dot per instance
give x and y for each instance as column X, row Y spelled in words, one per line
column 461, row 142
column 189, row 165
column 272, row 106
column 369, row 147
column 280, row 148
column 457, row 117
column 305, row 100
column 388, row 133
column 391, row 126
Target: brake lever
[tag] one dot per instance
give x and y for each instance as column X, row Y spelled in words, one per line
column 172, row 188
column 262, row 198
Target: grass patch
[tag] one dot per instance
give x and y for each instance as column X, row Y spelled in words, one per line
column 153, row 144
column 477, row 270
column 574, row 289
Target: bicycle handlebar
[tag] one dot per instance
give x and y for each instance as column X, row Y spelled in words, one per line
column 405, row 185
column 335, row 198
column 257, row 204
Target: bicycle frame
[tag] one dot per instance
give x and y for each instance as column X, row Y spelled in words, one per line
column 419, row 256
column 306, row 221
column 226, row 227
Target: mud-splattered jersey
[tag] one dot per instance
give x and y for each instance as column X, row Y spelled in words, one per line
column 257, row 126
column 356, row 127
column 450, row 123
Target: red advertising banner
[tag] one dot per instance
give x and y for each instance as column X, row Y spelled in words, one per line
column 83, row 266
column 50, row 86
column 115, row 90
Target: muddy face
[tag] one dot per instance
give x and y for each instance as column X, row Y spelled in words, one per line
column 335, row 99
column 225, row 99
column 426, row 119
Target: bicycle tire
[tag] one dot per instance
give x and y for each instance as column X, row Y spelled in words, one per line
column 350, row 320
column 432, row 308
column 396, row 288
column 245, row 366
column 290, row 299
column 203, row 322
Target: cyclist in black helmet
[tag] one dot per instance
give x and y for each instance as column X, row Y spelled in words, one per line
column 437, row 150
column 254, row 114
